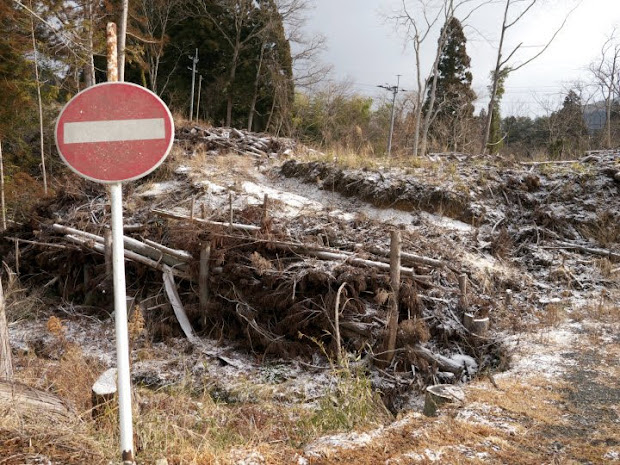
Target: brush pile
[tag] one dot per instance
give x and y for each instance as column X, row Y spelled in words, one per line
column 210, row 247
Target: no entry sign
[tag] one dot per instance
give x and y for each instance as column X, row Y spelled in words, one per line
column 114, row 132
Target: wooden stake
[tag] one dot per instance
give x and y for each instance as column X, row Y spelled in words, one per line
column 392, row 320
column 107, row 243
column 203, row 281
column 230, row 205
column 6, row 359
column 17, row 256
column 265, row 210
column 337, row 324
column 463, row 303
column 2, row 204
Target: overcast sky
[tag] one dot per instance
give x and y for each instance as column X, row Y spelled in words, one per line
column 364, row 47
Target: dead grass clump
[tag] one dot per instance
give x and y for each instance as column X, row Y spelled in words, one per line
column 604, row 230
column 413, row 331
column 350, row 403
column 21, row 303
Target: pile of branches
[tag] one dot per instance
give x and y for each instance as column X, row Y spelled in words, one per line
column 221, row 140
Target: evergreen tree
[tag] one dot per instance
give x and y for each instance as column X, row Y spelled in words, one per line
column 453, row 95
column 570, row 130
column 16, row 81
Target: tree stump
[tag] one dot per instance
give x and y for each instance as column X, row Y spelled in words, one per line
column 441, row 394
column 477, row 326
column 103, row 392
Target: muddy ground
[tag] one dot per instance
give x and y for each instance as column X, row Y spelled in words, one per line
column 538, row 244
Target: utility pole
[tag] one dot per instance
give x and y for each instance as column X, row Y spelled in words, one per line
column 198, row 102
column 191, row 104
column 394, row 89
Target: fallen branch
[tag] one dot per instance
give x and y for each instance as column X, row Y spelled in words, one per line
column 132, row 244
column 443, row 363
column 176, row 216
column 549, row 162
column 591, row 250
column 177, row 306
column 97, row 247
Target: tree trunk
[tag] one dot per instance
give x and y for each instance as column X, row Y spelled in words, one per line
column 122, row 40
column 36, row 75
column 231, row 80
column 6, row 359
column 418, row 110
column 256, row 83
column 495, row 84
column 89, row 72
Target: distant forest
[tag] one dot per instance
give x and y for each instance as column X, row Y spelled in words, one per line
column 247, row 52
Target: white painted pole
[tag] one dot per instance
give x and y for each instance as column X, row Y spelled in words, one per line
column 120, row 292
column 120, row 320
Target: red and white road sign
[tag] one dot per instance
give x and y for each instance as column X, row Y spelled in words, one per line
column 114, row 131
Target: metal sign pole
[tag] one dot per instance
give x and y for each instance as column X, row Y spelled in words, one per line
column 120, row 293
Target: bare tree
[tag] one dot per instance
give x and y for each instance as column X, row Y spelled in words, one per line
column 606, row 72
column 305, row 49
column 122, row 39
column 419, row 29
column 503, row 65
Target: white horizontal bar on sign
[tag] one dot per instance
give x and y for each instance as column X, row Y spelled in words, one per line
column 114, row 130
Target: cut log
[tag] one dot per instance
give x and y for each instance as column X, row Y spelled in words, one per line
column 441, row 394
column 27, row 400
column 103, row 393
column 129, row 243
column 97, row 247
column 6, row 359
column 443, row 363
column 182, row 255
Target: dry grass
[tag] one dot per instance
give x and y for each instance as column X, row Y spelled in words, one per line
column 524, row 426
column 182, row 423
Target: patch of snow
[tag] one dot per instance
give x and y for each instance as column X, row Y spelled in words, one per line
column 466, row 360
column 158, row 189
column 182, row 169
column 447, row 223
column 209, row 187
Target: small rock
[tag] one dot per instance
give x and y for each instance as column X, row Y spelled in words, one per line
column 161, row 462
